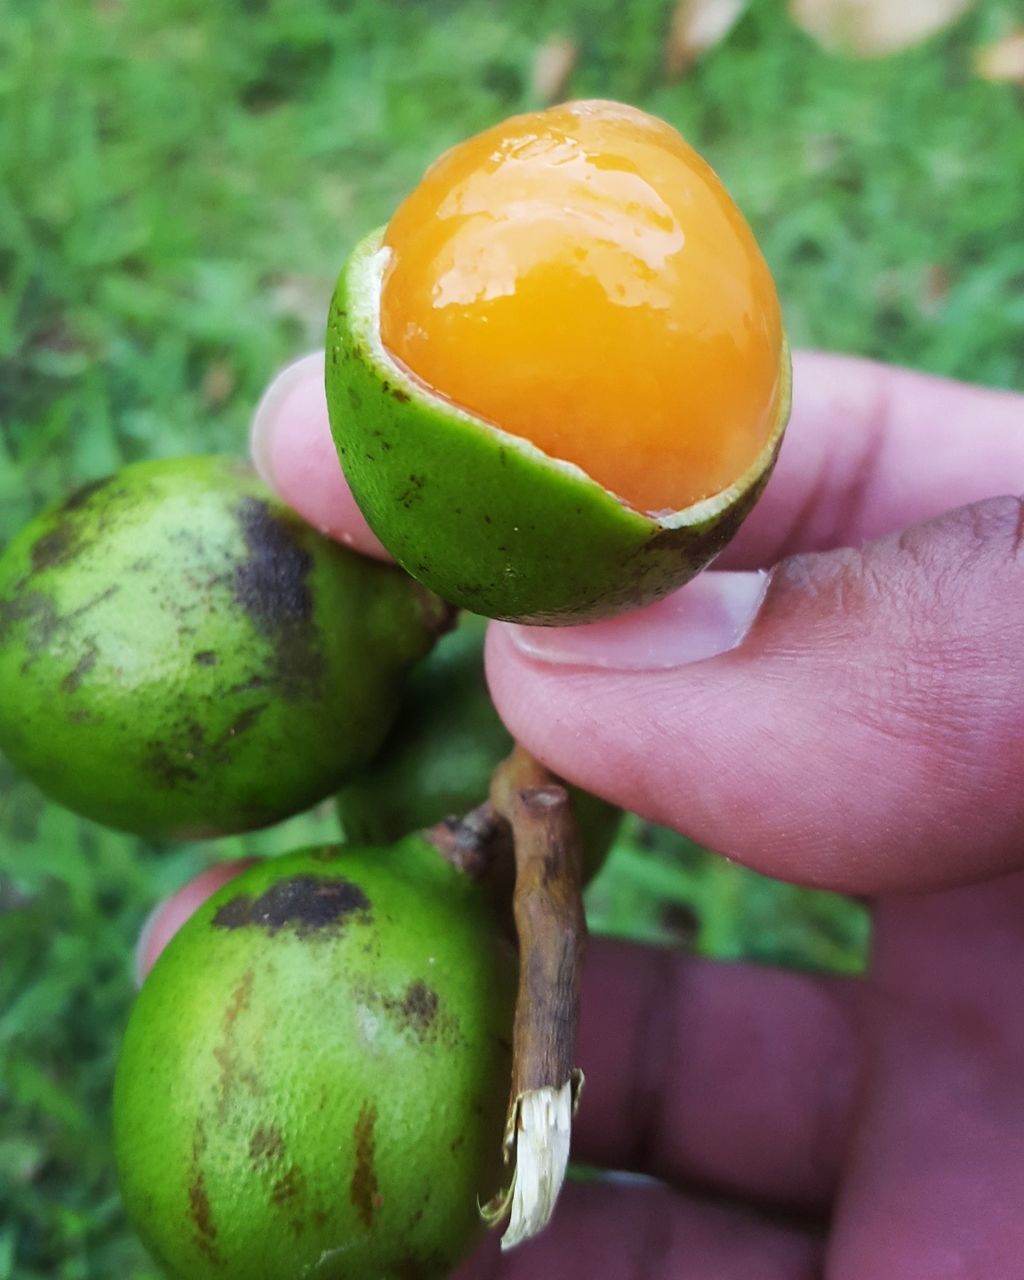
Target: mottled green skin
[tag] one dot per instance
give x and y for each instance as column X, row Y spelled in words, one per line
column 438, row 759
column 484, row 520
column 181, row 655
column 314, row 1077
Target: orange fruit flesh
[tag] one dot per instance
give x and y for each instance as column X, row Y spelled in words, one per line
column 580, row 278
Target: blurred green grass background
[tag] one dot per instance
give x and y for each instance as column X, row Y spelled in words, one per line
column 179, row 183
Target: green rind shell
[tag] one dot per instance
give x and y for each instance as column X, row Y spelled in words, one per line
column 314, row 1077
column 487, row 520
column 181, row 655
column 444, row 746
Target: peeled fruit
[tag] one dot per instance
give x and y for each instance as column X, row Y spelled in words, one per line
column 182, row 655
column 314, row 1077
column 438, row 759
column 558, row 379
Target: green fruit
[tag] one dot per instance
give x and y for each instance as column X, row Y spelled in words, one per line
column 486, row 519
column 314, row 1077
column 182, row 655
column 438, row 759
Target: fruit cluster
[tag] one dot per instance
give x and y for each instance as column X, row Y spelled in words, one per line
column 557, row 381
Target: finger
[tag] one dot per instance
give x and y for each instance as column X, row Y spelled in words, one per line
column 168, row 916
column 732, row 1077
column 864, row 735
column 871, row 448
column 608, row 1232
column 935, row 1178
column 292, row 449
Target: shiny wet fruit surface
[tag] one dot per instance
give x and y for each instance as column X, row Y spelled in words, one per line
column 580, row 278
column 558, row 378
column 314, row 1077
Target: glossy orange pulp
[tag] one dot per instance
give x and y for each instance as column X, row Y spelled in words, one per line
column 579, row 277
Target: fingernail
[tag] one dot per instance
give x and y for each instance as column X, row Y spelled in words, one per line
column 709, row 616
column 298, row 380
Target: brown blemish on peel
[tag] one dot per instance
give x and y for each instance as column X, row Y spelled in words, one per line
column 364, row 1189
column 202, row 1215
column 418, row 1012
column 83, row 493
column 271, row 583
column 418, row 1007
column 240, row 998
column 266, row 1143
column 235, row 1072
column 80, row 670
column 288, row 1187
column 53, row 548
column 306, row 903
column 272, row 586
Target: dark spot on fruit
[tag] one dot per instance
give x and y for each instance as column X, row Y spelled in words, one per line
column 245, row 720
column 83, row 493
column 38, row 611
column 239, row 998
column 53, row 548
column 272, row 586
column 166, row 769
column 266, row 1143
column 205, row 658
column 202, row 1216
column 364, row 1189
column 418, row 1011
column 401, row 396
column 80, row 670
column 307, row 903
column 457, row 1143
column 419, row 1007
column 288, row 1187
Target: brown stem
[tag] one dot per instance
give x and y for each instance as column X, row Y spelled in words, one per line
column 547, row 904
column 529, row 829
column 548, row 909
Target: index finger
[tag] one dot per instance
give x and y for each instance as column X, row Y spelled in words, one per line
column 870, row 448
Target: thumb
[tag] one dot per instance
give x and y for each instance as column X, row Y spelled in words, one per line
column 853, row 720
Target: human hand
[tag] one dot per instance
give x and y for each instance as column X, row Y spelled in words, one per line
column 848, row 718
column 865, row 735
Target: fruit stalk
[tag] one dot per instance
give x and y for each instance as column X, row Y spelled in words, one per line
column 551, row 928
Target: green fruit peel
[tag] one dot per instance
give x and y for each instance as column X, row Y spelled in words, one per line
column 486, row 519
column 314, row 1078
column 181, row 655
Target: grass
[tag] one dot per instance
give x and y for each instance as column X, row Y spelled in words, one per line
column 179, row 182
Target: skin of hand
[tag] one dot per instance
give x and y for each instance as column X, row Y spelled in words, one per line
column 840, row 702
